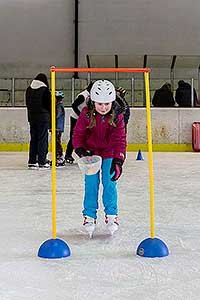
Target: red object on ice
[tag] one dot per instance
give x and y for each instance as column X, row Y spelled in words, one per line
column 196, row 136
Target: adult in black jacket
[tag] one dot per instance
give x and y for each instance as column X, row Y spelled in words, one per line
column 183, row 94
column 163, row 97
column 121, row 105
column 38, row 102
column 77, row 106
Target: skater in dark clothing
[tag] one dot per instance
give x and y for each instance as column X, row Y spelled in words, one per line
column 60, row 123
column 38, row 102
column 121, row 105
column 79, row 103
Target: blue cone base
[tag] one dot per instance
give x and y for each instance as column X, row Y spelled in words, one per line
column 54, row 248
column 152, row 248
column 139, row 156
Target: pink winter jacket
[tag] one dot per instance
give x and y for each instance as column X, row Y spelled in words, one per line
column 102, row 139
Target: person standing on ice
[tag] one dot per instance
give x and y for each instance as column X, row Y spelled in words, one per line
column 60, row 123
column 38, row 102
column 77, row 106
column 100, row 131
column 122, row 105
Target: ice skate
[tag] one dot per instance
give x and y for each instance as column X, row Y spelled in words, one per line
column 46, row 166
column 33, row 166
column 47, row 161
column 111, row 223
column 69, row 159
column 60, row 162
column 89, row 225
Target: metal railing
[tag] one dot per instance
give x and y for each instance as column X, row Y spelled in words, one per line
column 12, row 90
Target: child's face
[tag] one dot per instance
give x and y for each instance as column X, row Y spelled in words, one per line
column 103, row 108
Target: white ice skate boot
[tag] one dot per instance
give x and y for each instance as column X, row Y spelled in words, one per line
column 60, row 162
column 89, row 225
column 111, row 223
column 33, row 166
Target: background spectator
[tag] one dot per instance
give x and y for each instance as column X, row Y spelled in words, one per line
column 38, row 102
column 79, row 103
column 60, row 123
column 163, row 97
column 122, row 105
column 183, row 94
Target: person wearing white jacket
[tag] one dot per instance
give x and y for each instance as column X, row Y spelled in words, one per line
column 77, row 106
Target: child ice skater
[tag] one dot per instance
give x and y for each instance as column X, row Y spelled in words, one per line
column 60, row 123
column 100, row 131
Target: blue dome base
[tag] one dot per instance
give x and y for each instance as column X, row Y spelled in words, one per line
column 152, row 248
column 54, row 248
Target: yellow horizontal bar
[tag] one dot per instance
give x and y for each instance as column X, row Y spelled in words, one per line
column 130, row 147
column 14, row 147
column 161, row 147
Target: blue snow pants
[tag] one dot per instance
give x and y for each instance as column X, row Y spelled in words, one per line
column 109, row 195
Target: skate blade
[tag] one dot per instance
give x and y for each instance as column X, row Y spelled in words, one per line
column 89, row 230
column 33, row 168
column 60, row 167
column 111, row 229
column 91, row 235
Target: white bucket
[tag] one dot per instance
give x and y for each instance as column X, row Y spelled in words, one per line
column 90, row 165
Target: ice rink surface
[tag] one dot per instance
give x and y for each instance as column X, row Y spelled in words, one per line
column 102, row 268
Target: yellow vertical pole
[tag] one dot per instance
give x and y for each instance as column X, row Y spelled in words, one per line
column 147, row 93
column 53, row 145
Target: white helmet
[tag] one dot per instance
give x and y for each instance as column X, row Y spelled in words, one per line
column 103, row 91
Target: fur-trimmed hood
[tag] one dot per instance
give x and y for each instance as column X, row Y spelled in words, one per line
column 36, row 84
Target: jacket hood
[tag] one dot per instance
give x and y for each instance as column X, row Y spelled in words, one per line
column 183, row 84
column 166, row 86
column 36, row 84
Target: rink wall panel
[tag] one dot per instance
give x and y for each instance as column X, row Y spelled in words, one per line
column 171, row 128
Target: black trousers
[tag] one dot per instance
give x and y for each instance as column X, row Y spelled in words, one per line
column 70, row 148
column 39, row 142
column 59, row 149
